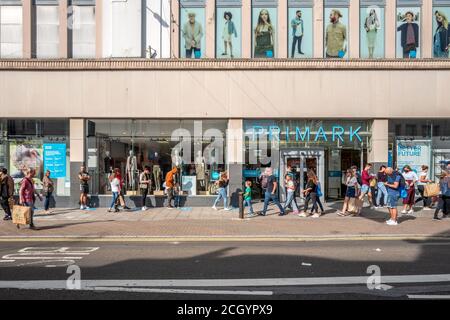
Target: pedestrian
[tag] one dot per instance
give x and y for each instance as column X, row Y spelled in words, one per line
column 444, row 197
column 145, row 186
column 177, row 195
column 121, row 197
column 115, row 189
column 170, row 185
column 270, row 193
column 222, row 185
column 291, row 172
column 6, row 193
column 248, row 196
column 290, row 199
column 366, row 176
column 393, row 185
column 352, row 191
column 410, row 178
column 310, row 194
column 48, row 189
column 382, row 191
column 84, row 178
column 27, row 194
column 421, row 183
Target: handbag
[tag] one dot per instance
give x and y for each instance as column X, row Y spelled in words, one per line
column 431, row 190
column 403, row 193
column 373, row 183
column 21, row 215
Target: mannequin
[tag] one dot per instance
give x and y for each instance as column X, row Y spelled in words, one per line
column 157, row 172
column 200, row 168
column 131, row 169
column 108, row 168
column 176, row 158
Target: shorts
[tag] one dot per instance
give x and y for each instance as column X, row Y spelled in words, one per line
column 365, row 189
column 351, row 192
column 84, row 188
column 392, row 200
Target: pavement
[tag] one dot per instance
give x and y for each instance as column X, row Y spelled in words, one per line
column 206, row 224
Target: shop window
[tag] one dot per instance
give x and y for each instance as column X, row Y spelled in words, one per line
column 300, row 29
column 47, row 29
column 11, row 36
column 372, row 30
column 196, row 147
column 411, row 130
column 192, row 29
column 264, row 28
column 336, row 26
column 408, row 20
column 81, row 26
column 441, row 38
column 228, row 29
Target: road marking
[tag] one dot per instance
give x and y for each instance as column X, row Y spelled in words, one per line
column 433, row 297
column 185, row 291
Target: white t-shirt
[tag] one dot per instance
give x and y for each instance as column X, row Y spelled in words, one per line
column 352, row 182
column 424, row 176
column 411, row 175
column 115, row 185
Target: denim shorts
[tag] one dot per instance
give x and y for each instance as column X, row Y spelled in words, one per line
column 351, row 192
column 365, row 189
column 392, row 200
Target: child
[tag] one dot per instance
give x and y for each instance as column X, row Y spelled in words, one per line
column 248, row 196
column 290, row 186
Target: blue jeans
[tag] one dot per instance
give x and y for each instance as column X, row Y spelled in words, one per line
column 222, row 193
column 291, row 200
column 382, row 191
column 274, row 198
column 114, row 200
column 192, row 50
column 248, row 203
column 47, row 201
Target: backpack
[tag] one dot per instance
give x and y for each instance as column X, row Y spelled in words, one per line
column 264, row 180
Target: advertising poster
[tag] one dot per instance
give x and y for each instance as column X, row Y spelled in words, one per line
column 24, row 156
column 192, row 33
column 408, row 23
column 372, row 32
column 229, row 33
column 336, row 33
column 55, row 159
column 264, row 22
column 300, row 36
column 413, row 153
column 441, row 38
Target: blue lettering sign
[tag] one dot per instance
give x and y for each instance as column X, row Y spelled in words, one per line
column 304, row 136
column 354, row 133
column 338, row 131
column 322, row 133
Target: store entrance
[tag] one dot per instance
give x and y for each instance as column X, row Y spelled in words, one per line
column 301, row 161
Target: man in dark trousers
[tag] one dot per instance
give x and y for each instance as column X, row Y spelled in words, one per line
column 6, row 192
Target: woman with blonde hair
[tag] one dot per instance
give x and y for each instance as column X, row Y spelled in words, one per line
column 310, row 194
column 264, row 36
column 441, row 36
column 372, row 24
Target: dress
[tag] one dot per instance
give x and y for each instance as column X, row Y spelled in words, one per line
column 263, row 44
column 225, row 35
column 371, row 36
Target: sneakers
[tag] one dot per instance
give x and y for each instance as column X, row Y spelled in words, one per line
column 303, row 215
column 316, row 215
column 391, row 222
column 7, row 218
column 214, row 208
column 81, row 207
column 403, row 211
column 227, row 209
column 144, row 208
column 437, row 218
column 86, row 208
column 411, row 211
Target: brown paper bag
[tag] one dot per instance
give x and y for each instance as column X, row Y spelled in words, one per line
column 21, row 215
column 431, row 190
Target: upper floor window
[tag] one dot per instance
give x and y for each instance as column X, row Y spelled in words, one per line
column 264, row 28
column 228, row 29
column 81, row 28
column 336, row 26
column 47, row 29
column 408, row 29
column 441, row 34
column 372, row 17
column 300, row 29
column 11, row 33
column 192, row 29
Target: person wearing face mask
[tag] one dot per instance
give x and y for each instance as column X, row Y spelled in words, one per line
column 336, row 36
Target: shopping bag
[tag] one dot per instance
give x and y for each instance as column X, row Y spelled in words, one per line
column 21, row 215
column 352, row 208
column 121, row 201
column 359, row 204
column 431, row 190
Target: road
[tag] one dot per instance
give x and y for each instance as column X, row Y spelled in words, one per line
column 225, row 270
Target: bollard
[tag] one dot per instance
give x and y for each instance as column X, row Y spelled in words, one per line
column 241, row 205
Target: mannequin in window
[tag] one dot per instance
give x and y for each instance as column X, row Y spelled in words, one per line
column 131, row 170
column 156, row 171
column 200, row 168
column 108, row 168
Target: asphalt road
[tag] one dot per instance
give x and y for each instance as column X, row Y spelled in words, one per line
column 225, row 270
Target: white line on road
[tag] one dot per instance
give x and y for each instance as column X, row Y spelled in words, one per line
column 433, row 297
column 185, row 291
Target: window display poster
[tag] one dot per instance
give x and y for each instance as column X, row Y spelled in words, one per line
column 408, row 33
column 415, row 154
column 264, row 40
column 441, row 37
column 372, row 32
column 192, row 33
column 189, row 184
column 55, row 159
column 228, row 34
column 336, row 33
column 24, row 156
column 300, row 43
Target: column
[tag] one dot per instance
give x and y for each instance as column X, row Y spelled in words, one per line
column 390, row 29
column 378, row 155
column 99, row 29
column 210, row 32
column 353, row 41
column 282, row 30
column 426, row 42
column 235, row 158
column 28, row 18
column 77, row 156
column 63, row 30
column 318, row 11
column 246, row 29
column 175, row 30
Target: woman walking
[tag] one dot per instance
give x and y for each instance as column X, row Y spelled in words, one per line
column 351, row 181
column 310, row 194
column 290, row 187
column 423, row 180
column 222, row 183
column 48, row 188
column 444, row 197
column 27, row 194
column 115, row 189
column 410, row 179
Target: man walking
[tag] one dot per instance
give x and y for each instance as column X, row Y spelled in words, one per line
column 6, row 192
column 145, row 185
column 366, row 176
column 297, row 31
column 84, row 177
column 170, row 185
column 271, row 192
